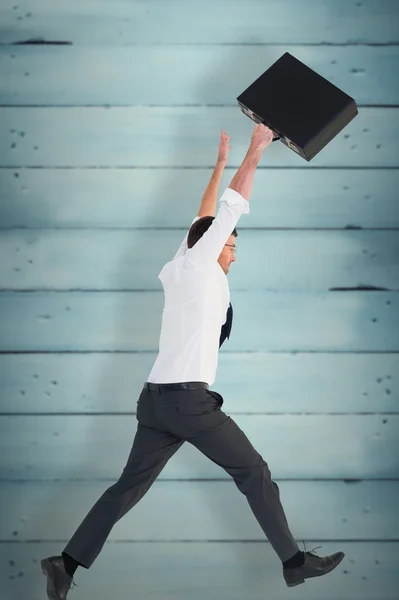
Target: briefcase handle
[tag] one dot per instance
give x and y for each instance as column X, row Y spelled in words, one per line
column 276, row 136
column 255, row 118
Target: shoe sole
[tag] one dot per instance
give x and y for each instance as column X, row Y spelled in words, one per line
column 299, row 581
column 48, row 570
column 294, row 583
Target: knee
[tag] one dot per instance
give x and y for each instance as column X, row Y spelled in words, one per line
column 120, row 486
column 254, row 475
column 262, row 469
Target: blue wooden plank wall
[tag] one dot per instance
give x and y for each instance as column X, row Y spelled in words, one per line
column 110, row 116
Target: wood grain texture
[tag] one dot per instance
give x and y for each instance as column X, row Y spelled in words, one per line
column 210, row 74
column 176, row 137
column 107, row 260
column 75, row 447
column 153, row 21
column 226, row 571
column 259, row 383
column 287, row 321
column 203, row 510
column 170, row 198
column 119, row 128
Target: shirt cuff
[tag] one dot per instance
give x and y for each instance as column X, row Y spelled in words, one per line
column 232, row 197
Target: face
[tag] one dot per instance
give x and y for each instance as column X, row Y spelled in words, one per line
column 227, row 256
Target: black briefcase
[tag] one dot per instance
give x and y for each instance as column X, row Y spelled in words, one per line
column 302, row 108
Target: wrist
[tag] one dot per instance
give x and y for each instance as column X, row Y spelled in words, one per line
column 254, row 152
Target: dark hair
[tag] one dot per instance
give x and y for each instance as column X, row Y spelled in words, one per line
column 198, row 229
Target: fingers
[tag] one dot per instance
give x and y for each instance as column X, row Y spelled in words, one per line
column 261, row 127
column 224, row 138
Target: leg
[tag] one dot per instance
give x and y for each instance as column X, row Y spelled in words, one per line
column 150, row 452
column 217, row 436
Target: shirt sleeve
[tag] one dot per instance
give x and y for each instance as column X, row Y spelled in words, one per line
column 183, row 246
column 208, row 248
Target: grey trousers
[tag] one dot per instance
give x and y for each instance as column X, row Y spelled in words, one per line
column 166, row 419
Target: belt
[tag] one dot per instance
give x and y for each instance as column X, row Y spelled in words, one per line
column 188, row 385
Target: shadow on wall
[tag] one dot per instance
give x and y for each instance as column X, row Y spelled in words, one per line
column 47, row 504
column 88, row 439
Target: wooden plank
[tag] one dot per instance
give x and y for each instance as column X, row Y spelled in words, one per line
column 77, row 447
column 192, row 570
column 196, row 510
column 64, row 76
column 283, row 321
column 152, row 21
column 176, row 137
column 100, row 260
column 170, row 198
column 275, row 383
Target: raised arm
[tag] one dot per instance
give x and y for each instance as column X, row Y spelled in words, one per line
column 233, row 203
column 209, row 198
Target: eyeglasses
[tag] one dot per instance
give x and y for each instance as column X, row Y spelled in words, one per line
column 234, row 250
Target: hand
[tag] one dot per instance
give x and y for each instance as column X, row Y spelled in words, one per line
column 223, row 148
column 262, row 136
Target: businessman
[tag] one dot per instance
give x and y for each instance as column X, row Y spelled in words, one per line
column 176, row 404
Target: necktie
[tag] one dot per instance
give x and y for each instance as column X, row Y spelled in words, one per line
column 226, row 328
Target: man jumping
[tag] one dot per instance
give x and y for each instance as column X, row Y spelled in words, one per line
column 176, row 404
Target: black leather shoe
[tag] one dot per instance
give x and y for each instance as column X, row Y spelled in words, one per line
column 314, row 566
column 58, row 581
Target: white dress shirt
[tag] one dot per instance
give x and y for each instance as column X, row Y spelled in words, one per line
column 197, row 296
